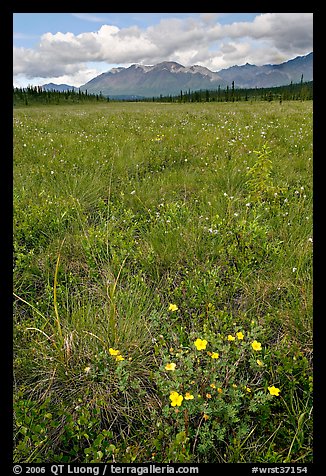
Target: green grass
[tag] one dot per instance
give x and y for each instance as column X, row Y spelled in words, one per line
column 121, row 209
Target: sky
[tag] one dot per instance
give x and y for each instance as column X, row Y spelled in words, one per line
column 73, row 48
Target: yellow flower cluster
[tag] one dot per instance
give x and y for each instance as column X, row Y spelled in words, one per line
column 158, row 138
column 116, row 353
column 255, row 344
column 240, row 336
column 176, row 398
column 201, row 344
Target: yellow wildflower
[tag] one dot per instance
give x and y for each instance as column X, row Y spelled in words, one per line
column 188, row 396
column 119, row 358
column 113, row 351
column 274, row 391
column 173, row 307
column 259, row 362
column 215, row 355
column 206, row 417
column 231, row 337
column 248, row 389
column 170, row 366
column 212, row 385
column 256, row 345
column 208, row 395
column 87, row 370
column 239, row 335
column 219, row 390
column 200, row 344
column 176, row 399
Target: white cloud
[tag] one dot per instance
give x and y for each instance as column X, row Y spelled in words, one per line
column 269, row 38
column 80, row 77
column 285, row 31
column 127, row 45
column 33, row 63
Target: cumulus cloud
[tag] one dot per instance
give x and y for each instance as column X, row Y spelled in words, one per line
column 270, row 37
column 33, row 63
column 285, row 31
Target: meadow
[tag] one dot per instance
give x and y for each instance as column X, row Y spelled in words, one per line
column 163, row 282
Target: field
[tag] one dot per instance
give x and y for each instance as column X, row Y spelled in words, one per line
column 163, row 282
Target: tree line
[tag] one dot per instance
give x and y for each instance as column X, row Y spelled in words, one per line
column 37, row 95
column 295, row 91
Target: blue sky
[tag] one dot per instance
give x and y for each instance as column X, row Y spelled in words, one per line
column 73, row 48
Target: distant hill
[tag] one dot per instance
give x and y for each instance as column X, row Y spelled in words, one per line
column 58, row 87
column 170, row 77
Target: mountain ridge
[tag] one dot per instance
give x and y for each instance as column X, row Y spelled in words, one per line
column 169, row 77
column 58, row 87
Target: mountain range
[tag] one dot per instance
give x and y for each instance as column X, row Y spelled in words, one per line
column 170, row 77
